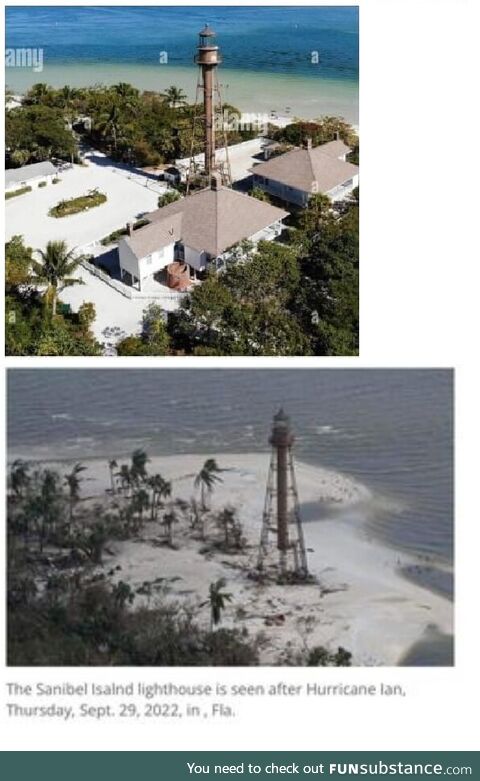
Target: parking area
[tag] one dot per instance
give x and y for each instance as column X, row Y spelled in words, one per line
column 241, row 157
column 129, row 196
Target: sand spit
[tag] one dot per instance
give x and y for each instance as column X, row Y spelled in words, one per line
column 361, row 601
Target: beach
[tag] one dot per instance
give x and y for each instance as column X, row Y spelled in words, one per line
column 287, row 95
column 360, row 601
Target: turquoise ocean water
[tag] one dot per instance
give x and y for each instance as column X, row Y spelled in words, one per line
column 288, row 59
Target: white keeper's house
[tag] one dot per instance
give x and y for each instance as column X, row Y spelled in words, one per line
column 195, row 233
column 295, row 176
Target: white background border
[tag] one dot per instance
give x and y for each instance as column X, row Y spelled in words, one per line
column 419, row 291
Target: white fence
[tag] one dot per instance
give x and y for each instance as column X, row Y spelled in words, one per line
column 141, row 179
column 129, row 292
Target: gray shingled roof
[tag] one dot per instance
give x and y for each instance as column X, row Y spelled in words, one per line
column 26, row 172
column 210, row 221
column 150, row 238
column 304, row 168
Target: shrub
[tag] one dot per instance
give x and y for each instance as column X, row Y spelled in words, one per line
column 259, row 194
column 14, row 193
column 80, row 204
column 42, row 184
column 92, row 625
column 56, row 180
column 169, row 197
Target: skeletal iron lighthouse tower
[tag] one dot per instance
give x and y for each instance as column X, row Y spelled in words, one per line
column 206, row 111
column 283, row 521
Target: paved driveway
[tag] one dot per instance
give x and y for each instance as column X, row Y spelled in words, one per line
column 241, row 156
column 128, row 196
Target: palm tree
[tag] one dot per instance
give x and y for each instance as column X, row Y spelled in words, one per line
column 127, row 93
column 19, row 477
column 56, row 269
column 175, row 96
column 226, row 521
column 96, row 541
column 217, row 599
column 38, row 92
column 206, row 479
column 44, row 506
column 169, row 519
column 72, row 481
column 125, row 478
column 66, row 99
column 138, row 469
column 140, row 502
column 161, row 488
column 29, row 517
column 109, row 125
column 111, row 466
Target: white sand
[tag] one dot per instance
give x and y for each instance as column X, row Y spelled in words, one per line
column 361, row 602
column 251, row 91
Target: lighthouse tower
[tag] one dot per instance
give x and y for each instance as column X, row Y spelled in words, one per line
column 281, row 515
column 208, row 108
column 208, row 58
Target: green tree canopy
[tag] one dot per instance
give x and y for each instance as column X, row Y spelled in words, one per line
column 244, row 310
column 37, row 133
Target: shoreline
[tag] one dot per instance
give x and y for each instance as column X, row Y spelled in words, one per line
column 308, row 97
column 362, row 601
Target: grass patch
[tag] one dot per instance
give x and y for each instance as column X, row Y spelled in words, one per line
column 80, row 204
column 21, row 191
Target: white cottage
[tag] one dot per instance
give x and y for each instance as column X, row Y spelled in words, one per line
column 29, row 175
column 198, row 230
column 297, row 175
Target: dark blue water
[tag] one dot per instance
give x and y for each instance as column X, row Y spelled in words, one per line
column 260, row 39
column 390, row 429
